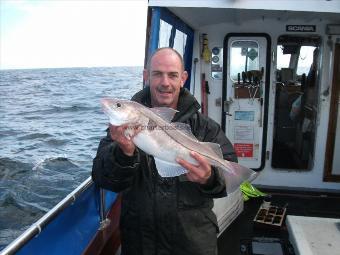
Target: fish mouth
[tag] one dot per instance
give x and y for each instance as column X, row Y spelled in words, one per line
column 106, row 106
column 115, row 119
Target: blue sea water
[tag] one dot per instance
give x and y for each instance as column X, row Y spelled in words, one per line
column 50, row 126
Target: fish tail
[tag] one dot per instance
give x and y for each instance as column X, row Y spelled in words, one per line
column 235, row 174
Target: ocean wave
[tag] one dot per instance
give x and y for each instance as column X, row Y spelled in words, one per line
column 58, row 163
column 8, row 133
column 74, row 108
column 105, row 82
column 64, row 109
column 7, row 199
column 34, row 136
column 72, row 81
column 11, row 168
column 35, row 117
column 21, row 201
column 9, row 234
column 15, row 206
column 56, row 142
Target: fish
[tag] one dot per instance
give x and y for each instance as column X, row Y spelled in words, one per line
column 166, row 140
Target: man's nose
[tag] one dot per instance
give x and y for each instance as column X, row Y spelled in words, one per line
column 165, row 80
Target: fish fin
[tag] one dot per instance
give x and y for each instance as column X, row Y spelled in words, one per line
column 214, row 147
column 165, row 113
column 235, row 174
column 167, row 169
column 185, row 128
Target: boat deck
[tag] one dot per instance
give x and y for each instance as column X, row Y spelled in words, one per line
column 241, row 233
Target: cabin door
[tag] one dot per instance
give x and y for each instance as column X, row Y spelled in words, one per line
column 245, row 95
column 297, row 86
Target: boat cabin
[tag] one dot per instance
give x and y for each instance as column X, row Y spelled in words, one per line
column 269, row 74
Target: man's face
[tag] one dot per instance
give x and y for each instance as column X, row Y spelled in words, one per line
column 165, row 77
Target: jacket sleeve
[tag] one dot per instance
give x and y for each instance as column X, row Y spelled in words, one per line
column 209, row 131
column 112, row 169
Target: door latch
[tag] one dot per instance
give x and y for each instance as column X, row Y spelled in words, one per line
column 226, row 105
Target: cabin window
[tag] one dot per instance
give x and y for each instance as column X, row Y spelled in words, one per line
column 243, row 57
column 282, row 59
column 170, row 31
column 180, row 42
column 305, row 59
column 164, row 34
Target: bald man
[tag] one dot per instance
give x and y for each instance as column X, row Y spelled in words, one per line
column 171, row 215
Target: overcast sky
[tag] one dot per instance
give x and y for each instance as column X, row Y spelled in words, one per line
column 72, row 33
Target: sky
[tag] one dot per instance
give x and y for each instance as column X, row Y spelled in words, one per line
column 72, row 33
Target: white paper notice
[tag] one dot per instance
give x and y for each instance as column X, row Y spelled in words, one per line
column 244, row 133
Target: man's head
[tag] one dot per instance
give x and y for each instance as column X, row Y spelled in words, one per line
column 166, row 76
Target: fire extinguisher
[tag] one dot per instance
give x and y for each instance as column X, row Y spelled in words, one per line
column 206, row 53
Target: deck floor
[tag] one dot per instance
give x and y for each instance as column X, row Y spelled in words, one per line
column 242, row 229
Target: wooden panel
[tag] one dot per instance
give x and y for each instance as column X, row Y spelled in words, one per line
column 247, row 91
column 332, row 125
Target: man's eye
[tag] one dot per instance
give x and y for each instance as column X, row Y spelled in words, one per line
column 156, row 74
column 174, row 75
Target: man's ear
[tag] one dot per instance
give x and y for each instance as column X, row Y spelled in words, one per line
column 145, row 75
column 184, row 77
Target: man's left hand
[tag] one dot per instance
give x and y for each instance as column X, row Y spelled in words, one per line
column 197, row 173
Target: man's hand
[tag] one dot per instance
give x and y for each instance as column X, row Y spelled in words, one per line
column 197, row 173
column 117, row 134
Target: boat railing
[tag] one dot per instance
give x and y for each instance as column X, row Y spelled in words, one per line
column 37, row 227
column 104, row 221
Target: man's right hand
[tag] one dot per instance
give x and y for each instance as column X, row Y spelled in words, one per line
column 117, row 134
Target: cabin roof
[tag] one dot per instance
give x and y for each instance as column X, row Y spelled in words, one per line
column 197, row 17
column 328, row 6
column 198, row 13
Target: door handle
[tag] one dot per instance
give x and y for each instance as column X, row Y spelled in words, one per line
column 226, row 106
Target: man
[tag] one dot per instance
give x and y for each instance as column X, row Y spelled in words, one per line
column 164, row 215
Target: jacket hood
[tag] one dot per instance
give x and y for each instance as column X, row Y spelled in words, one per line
column 186, row 107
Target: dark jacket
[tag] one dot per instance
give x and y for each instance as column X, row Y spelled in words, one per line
column 164, row 215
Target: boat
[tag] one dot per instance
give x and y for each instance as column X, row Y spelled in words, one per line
column 269, row 73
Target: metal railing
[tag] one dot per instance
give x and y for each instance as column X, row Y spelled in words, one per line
column 37, row 227
column 104, row 221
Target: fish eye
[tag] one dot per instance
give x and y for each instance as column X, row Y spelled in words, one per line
column 118, row 105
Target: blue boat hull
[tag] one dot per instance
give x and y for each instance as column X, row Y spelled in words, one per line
column 74, row 228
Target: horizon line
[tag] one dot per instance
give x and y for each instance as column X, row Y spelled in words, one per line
column 66, row 67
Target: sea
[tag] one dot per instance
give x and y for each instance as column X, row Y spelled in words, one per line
column 51, row 123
